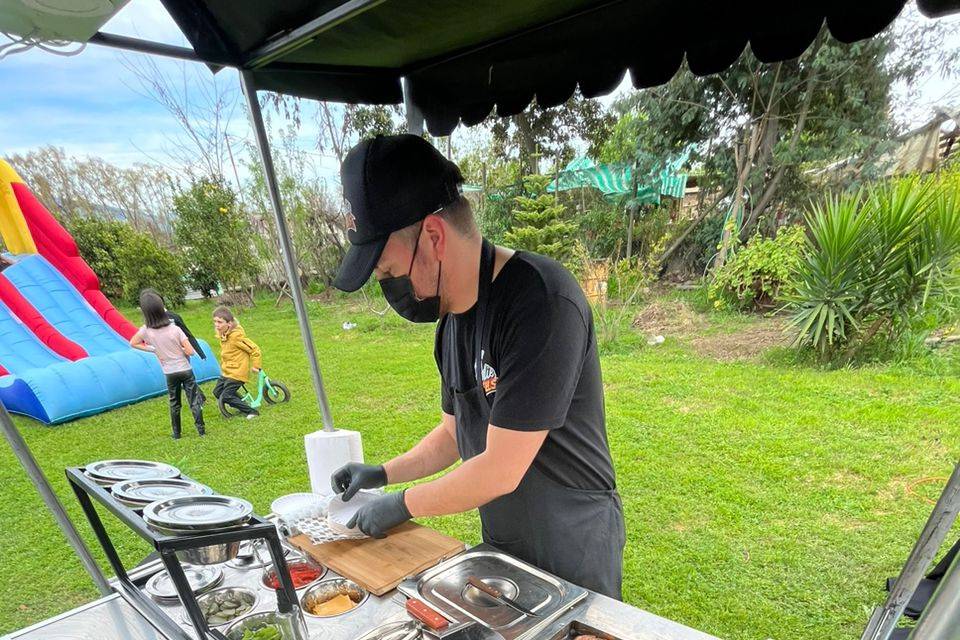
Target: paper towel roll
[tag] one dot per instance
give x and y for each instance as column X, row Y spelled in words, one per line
column 327, row 451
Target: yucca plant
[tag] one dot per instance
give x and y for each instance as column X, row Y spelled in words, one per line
column 829, row 280
column 874, row 261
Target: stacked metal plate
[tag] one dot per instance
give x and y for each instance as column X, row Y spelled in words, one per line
column 184, row 515
column 107, row 473
column 194, row 515
column 137, row 494
column 201, row 579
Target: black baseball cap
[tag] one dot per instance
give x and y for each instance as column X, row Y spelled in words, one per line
column 390, row 183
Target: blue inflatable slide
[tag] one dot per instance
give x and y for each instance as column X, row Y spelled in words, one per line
column 64, row 348
column 50, row 388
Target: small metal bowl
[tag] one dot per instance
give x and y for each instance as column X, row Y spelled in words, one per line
column 249, row 597
column 326, row 589
column 212, row 554
column 257, row 556
column 269, row 571
column 260, row 620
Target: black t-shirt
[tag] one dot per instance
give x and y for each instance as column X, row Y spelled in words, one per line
column 543, row 354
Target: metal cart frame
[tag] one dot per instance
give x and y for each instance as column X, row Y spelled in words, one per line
column 87, row 491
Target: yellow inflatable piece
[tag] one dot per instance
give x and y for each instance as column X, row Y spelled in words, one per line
column 13, row 227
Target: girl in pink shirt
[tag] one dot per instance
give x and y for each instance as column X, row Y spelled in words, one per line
column 169, row 343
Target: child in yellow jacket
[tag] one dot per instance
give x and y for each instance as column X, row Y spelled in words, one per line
column 239, row 355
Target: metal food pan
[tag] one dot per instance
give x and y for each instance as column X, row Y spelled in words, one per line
column 576, row 629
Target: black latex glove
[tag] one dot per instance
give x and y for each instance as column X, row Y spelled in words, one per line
column 354, row 476
column 381, row 515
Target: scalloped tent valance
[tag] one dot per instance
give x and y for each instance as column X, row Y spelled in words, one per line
column 463, row 60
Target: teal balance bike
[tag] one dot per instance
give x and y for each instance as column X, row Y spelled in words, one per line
column 268, row 390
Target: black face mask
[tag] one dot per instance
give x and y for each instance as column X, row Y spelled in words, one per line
column 400, row 294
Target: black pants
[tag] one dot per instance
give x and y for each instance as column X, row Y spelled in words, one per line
column 227, row 387
column 184, row 380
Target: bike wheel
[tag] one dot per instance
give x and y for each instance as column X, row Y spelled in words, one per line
column 226, row 410
column 232, row 412
column 276, row 393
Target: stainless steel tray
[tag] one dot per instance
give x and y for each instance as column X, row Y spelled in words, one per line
column 402, row 630
column 444, row 588
column 357, row 622
column 111, row 618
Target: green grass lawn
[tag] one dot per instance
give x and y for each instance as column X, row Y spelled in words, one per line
column 763, row 500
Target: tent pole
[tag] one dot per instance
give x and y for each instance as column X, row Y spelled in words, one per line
column 941, row 617
column 42, row 485
column 304, row 34
column 286, row 246
column 884, row 619
column 151, row 48
column 412, row 111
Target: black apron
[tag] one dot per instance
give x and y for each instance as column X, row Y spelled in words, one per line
column 575, row 534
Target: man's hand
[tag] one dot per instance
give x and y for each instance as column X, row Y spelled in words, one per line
column 354, row 476
column 381, row 515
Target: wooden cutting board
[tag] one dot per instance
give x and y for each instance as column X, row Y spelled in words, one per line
column 380, row 565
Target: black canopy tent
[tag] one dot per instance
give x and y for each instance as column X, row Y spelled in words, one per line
column 464, row 60
column 454, row 62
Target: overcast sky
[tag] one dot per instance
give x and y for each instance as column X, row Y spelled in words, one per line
column 91, row 104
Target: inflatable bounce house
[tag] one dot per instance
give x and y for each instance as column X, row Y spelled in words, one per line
column 64, row 349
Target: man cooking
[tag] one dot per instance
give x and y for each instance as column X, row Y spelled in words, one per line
column 521, row 392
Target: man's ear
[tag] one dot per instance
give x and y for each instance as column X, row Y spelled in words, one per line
column 435, row 229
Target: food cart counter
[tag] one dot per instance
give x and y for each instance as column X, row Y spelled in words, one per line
column 226, row 578
column 117, row 617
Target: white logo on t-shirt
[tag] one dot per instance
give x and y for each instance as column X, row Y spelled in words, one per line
column 488, row 377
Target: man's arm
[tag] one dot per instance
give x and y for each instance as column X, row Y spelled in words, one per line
column 435, row 452
column 529, row 402
column 494, row 473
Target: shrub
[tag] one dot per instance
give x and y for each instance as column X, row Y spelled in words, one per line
column 494, row 217
column 99, row 242
column 215, row 236
column 626, row 277
column 146, row 264
column 877, row 264
column 127, row 261
column 760, row 273
column 603, row 226
column 541, row 226
column 631, row 277
column 701, row 244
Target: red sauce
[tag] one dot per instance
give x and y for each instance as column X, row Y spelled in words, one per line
column 301, row 574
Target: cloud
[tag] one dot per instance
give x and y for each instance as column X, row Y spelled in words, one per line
column 92, row 103
column 146, row 19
